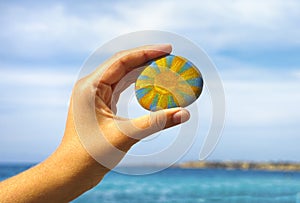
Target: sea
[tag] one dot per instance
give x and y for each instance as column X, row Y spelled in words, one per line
column 188, row 185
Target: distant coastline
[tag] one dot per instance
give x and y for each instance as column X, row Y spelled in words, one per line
column 227, row 165
column 232, row 165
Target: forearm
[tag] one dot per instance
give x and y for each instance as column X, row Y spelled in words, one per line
column 66, row 174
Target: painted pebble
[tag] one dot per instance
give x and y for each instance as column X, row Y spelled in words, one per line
column 167, row 82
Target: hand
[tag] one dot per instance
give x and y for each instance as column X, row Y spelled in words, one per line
column 109, row 137
column 72, row 169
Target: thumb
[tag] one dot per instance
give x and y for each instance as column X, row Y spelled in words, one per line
column 157, row 121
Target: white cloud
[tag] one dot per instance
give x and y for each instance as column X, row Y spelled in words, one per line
column 296, row 74
column 56, row 29
column 29, row 77
column 35, row 88
column 258, row 96
column 246, row 24
column 262, row 104
column 232, row 68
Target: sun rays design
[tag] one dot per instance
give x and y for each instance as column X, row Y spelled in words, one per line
column 170, row 81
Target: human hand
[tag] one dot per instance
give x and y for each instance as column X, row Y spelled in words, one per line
column 95, row 139
column 94, row 100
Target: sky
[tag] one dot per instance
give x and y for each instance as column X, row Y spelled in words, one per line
column 255, row 46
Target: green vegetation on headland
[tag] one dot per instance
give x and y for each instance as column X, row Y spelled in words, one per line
column 267, row 166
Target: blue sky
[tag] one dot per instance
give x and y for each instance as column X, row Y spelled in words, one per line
column 255, row 46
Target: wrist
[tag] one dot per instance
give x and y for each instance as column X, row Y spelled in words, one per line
column 73, row 158
column 71, row 172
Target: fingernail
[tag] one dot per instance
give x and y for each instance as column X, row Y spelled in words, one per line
column 164, row 47
column 181, row 116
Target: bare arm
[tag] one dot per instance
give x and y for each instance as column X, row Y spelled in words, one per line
column 71, row 170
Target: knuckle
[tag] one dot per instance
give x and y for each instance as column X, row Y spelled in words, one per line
column 158, row 121
column 119, row 54
column 82, row 87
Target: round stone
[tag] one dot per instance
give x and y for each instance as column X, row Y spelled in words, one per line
column 167, row 82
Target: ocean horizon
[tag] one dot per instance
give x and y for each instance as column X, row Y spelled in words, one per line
column 188, row 185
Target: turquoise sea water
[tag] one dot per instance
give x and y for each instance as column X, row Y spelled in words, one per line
column 190, row 185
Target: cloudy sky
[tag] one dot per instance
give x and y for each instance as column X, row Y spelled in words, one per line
column 255, row 46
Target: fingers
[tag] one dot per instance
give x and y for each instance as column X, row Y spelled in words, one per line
column 123, row 84
column 159, row 120
column 123, row 62
column 144, row 126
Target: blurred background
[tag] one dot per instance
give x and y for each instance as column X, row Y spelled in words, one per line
column 255, row 46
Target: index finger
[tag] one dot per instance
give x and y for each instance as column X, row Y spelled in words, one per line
column 123, row 62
